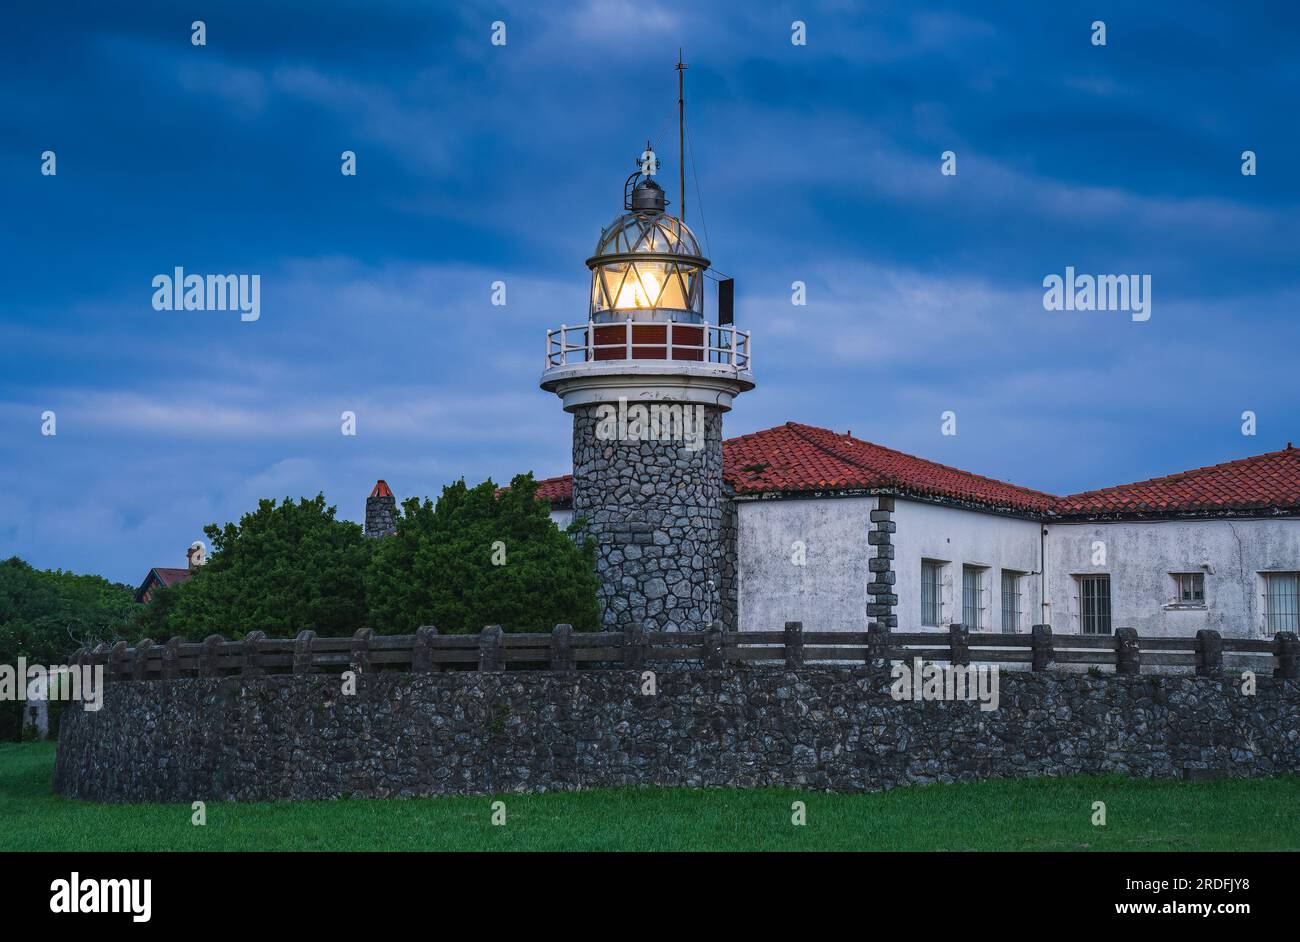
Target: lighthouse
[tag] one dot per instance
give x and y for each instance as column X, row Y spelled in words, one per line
column 647, row 379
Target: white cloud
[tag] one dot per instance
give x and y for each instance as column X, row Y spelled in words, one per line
column 243, row 89
column 411, row 131
column 617, row 24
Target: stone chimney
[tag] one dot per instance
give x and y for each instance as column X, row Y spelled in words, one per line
column 381, row 511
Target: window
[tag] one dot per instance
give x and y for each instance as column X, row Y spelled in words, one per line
column 972, row 598
column 1191, row 588
column 931, row 593
column 1281, row 601
column 1010, row 601
column 1094, row 605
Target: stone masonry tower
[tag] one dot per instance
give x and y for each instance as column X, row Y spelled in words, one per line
column 647, row 380
column 381, row 511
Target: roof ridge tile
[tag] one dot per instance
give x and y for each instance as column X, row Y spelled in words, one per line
column 796, row 457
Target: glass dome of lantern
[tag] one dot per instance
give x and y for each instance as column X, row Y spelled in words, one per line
column 647, row 266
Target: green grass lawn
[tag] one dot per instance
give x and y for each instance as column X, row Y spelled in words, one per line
column 1042, row 814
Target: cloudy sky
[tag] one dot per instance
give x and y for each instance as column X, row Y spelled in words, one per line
column 476, row 163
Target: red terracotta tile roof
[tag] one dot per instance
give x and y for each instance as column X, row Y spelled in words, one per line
column 556, row 490
column 794, row 458
column 171, row 577
column 1269, row 481
column 168, row 577
column 381, row 489
column 779, row 459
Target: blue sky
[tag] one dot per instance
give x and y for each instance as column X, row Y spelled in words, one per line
column 479, row 163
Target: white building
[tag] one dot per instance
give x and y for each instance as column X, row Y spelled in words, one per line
column 1215, row 547
column 798, row 523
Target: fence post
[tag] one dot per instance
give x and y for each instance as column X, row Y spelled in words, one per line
column 1209, row 652
column 562, row 648
column 634, row 645
column 99, row 655
column 959, row 644
column 1287, row 651
column 302, row 652
column 489, row 649
column 794, row 644
column 361, row 650
column 713, row 659
column 1040, row 640
column 117, row 669
column 252, row 666
column 877, row 644
column 1128, row 656
column 422, row 661
column 208, row 660
column 140, row 664
column 171, row 659
column 76, row 661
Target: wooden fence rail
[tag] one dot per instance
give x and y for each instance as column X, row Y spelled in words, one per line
column 564, row 649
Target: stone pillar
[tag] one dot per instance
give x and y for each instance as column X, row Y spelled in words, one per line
column 1128, row 656
column 1209, row 652
column 959, row 644
column 728, row 565
column 656, row 512
column 1287, row 653
column 1041, row 642
column 881, row 567
column 381, row 511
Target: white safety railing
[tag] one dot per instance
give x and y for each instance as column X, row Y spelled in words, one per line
column 713, row 344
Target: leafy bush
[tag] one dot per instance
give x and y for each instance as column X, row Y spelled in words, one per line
column 282, row 568
column 481, row 557
column 45, row 615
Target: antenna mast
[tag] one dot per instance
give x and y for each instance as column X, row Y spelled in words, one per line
column 681, row 136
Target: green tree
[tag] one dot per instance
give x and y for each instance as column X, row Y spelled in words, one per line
column 480, row 557
column 153, row 620
column 45, row 615
column 284, row 567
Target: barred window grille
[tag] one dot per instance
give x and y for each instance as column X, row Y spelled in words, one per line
column 931, row 593
column 1010, row 601
column 1191, row 588
column 972, row 598
column 1281, row 601
column 1094, row 605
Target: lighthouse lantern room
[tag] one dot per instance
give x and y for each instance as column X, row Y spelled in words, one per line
column 647, row 273
column 646, row 305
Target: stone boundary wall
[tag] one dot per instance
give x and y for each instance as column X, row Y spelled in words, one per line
column 475, row 732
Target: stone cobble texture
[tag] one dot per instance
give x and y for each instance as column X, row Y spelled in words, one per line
column 656, row 510
column 484, row 732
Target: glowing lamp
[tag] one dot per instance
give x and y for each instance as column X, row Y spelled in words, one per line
column 647, row 270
